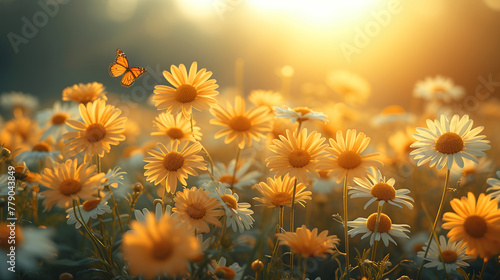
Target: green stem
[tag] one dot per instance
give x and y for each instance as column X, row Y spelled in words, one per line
column 115, row 206
column 304, row 268
column 374, row 249
column 278, row 230
column 238, row 152
column 292, row 220
column 483, row 269
column 346, row 235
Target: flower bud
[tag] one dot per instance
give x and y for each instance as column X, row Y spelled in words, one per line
column 257, row 266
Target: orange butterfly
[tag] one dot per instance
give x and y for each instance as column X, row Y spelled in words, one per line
column 120, row 66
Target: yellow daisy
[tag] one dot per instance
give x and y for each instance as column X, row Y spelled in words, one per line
column 297, row 154
column 266, row 98
column 84, row 93
column 347, row 155
column 159, row 248
column 309, row 243
column 178, row 128
column 196, row 207
column 193, row 90
column 67, row 181
column 477, row 224
column 278, row 192
column 102, row 127
column 353, row 88
column 166, row 166
column 240, row 124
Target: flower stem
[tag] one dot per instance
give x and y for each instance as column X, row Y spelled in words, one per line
column 115, row 206
column 483, row 269
column 445, row 188
column 279, row 226
column 346, row 235
column 304, row 268
column 292, row 220
column 374, row 248
column 238, row 152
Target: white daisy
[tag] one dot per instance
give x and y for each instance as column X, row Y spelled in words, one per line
column 16, row 99
column 385, row 229
column 88, row 209
column 439, row 87
column 219, row 269
column 54, row 120
column 391, row 115
column 471, row 170
column 114, row 177
column 299, row 114
column 353, row 88
column 140, row 215
column 39, row 153
column 325, row 183
column 377, row 188
column 238, row 214
column 452, row 254
column 446, row 142
column 494, row 190
column 224, row 174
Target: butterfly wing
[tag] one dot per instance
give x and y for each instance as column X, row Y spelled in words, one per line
column 120, row 65
column 132, row 74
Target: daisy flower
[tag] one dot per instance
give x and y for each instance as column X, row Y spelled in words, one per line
column 241, row 125
column 39, row 153
column 84, row 93
column 446, row 142
column 477, row 224
column 452, row 254
column 193, row 90
column 16, row 99
column 324, row 184
column 197, row 208
column 178, row 128
column 385, row 230
column 401, row 142
column 280, row 126
column 102, row 127
column 23, row 130
column 114, row 177
column 158, row 248
column 89, row 209
column 439, row 87
column 238, row 214
column 265, row 98
column 309, row 243
column 377, row 188
column 67, row 181
column 278, row 192
column 391, row 115
column 300, row 114
column 53, row 121
column 166, row 166
column 232, row 272
column 297, row 154
column 224, row 174
column 471, row 170
column 494, row 190
column 141, row 215
column 348, row 155
column 353, row 88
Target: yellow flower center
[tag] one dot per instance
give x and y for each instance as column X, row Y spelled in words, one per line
column 41, row 147
column 59, row 118
column 349, row 160
column 475, row 226
column 90, row 205
column 299, row 158
column 162, row 250
column 449, row 256
column 383, row 191
column 281, row 199
column 230, row 201
column 70, row 186
column 436, row 89
column 5, row 233
column 173, row 161
column 186, row 93
column 302, row 110
column 418, row 247
column 225, row 272
column 323, row 174
column 175, row 133
column 228, row 179
column 240, row 123
column 196, row 210
column 449, row 143
column 469, row 171
column 384, row 224
column 393, row 110
column 95, row 132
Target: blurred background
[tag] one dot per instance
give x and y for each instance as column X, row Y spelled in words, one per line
column 46, row 46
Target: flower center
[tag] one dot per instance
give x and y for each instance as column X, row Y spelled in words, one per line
column 323, row 174
column 20, row 172
column 349, row 160
column 95, row 132
column 230, row 201
column 186, row 93
column 383, row 191
column 468, row 172
column 240, row 123
column 449, row 256
column 449, row 143
column 225, row 272
column 384, row 224
column 228, row 179
column 173, row 161
column 393, row 110
column 59, row 118
column 90, row 205
column 162, row 250
column 41, row 147
column 6, row 232
column 418, row 247
column 299, row 158
column 175, row 133
column 196, row 210
column 437, row 89
column 281, row 199
column 475, row 226
column 69, row 187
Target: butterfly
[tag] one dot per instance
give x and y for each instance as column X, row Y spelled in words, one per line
column 120, row 66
